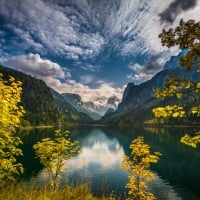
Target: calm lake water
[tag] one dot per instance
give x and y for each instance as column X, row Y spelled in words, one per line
column 177, row 172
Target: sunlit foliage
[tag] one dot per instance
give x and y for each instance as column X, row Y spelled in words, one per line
column 186, row 36
column 169, row 111
column 191, row 141
column 137, row 164
column 53, row 153
column 10, row 113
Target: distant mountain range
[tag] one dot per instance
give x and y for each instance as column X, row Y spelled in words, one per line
column 86, row 107
column 89, row 107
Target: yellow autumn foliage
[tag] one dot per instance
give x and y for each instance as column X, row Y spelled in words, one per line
column 11, row 112
column 54, row 153
column 169, row 111
column 185, row 36
column 138, row 166
column 191, row 141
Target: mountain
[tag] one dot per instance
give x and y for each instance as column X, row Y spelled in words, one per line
column 43, row 106
column 137, row 95
column 84, row 107
column 68, row 111
column 174, row 61
column 36, row 99
column 138, row 101
column 89, row 108
column 112, row 102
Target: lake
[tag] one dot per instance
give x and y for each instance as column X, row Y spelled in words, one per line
column 177, row 172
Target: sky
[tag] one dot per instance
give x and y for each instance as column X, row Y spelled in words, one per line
column 89, row 47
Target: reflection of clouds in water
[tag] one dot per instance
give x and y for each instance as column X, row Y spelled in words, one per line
column 100, row 161
column 99, row 151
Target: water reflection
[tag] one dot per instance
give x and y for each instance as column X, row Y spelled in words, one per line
column 99, row 162
column 98, row 150
column 177, row 172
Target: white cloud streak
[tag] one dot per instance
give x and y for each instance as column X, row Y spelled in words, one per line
column 50, row 26
column 81, row 29
column 66, row 31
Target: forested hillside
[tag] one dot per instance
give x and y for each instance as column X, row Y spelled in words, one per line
column 43, row 106
column 36, row 99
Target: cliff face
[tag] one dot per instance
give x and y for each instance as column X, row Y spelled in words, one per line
column 136, row 97
column 89, row 108
column 83, row 107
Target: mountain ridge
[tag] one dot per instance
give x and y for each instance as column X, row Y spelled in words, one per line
column 138, row 100
column 89, row 107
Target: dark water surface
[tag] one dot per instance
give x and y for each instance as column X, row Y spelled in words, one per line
column 177, row 172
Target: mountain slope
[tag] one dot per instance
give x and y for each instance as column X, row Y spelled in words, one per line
column 42, row 105
column 36, row 99
column 89, row 108
column 84, row 107
column 68, row 111
column 138, row 100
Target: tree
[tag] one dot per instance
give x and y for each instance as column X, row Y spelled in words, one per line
column 187, row 37
column 54, row 152
column 138, row 164
column 11, row 112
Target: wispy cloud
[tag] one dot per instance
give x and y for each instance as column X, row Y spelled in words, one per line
column 85, row 79
column 89, row 67
column 77, row 32
column 52, row 27
column 81, row 29
column 82, row 33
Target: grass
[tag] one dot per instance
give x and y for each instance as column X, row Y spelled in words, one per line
column 22, row 192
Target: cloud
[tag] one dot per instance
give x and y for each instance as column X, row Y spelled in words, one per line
column 99, row 96
column 45, row 25
column 139, row 75
column 82, row 29
column 33, row 64
column 61, row 80
column 85, row 79
column 96, row 151
column 146, row 72
column 136, row 67
column 89, row 67
column 175, row 8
